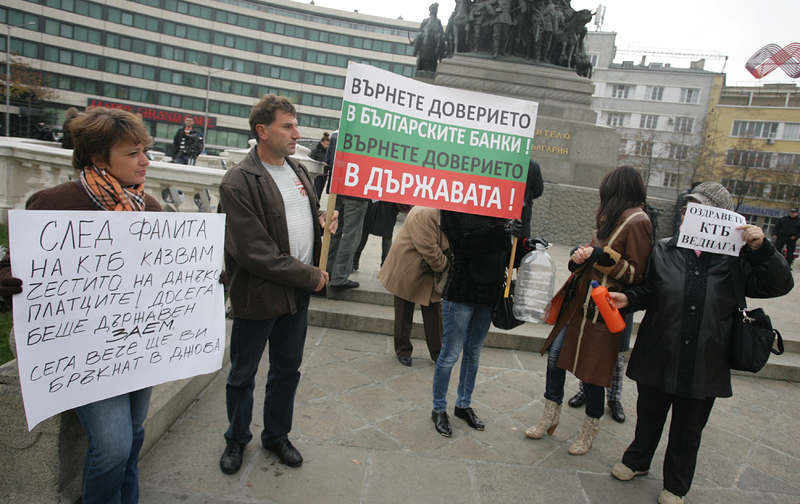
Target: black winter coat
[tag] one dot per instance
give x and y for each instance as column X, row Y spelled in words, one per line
column 788, row 227
column 683, row 342
column 480, row 249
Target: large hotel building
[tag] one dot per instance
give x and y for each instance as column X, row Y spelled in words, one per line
column 155, row 56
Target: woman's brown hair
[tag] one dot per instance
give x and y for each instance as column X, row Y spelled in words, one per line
column 620, row 189
column 97, row 132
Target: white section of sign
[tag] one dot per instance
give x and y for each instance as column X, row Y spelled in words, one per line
column 405, row 96
column 113, row 302
column 711, row 229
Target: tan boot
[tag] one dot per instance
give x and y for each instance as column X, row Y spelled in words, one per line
column 550, row 418
column 589, row 430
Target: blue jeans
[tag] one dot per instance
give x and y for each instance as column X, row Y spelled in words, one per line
column 286, row 335
column 465, row 327
column 115, row 433
column 554, row 385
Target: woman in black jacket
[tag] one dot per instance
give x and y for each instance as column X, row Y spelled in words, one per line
column 680, row 360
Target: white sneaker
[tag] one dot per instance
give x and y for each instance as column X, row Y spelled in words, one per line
column 667, row 497
column 625, row 473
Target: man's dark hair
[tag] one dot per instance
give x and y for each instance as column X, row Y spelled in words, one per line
column 264, row 111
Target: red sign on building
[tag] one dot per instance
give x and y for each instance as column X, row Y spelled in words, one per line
column 152, row 114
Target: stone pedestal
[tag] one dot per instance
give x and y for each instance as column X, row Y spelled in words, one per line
column 568, row 145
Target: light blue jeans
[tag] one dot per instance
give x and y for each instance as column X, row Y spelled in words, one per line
column 465, row 327
column 115, row 433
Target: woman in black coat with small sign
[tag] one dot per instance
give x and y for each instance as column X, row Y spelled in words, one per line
column 680, row 360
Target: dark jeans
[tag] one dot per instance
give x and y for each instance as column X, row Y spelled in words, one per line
column 115, row 433
column 790, row 245
column 689, row 417
column 286, row 335
column 554, row 385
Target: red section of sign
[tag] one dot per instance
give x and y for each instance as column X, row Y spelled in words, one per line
column 156, row 115
column 772, row 56
column 374, row 178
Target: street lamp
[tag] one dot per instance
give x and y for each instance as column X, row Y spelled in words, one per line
column 8, row 68
column 209, row 73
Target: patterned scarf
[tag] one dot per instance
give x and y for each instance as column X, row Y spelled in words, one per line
column 107, row 194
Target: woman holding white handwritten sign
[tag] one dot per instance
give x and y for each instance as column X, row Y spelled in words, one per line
column 680, row 360
column 110, row 153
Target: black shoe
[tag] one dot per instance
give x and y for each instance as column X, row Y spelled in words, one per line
column 350, row 284
column 617, row 413
column 231, row 459
column 469, row 415
column 404, row 360
column 442, row 423
column 286, row 452
column 577, row 400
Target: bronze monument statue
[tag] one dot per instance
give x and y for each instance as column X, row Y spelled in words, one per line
column 543, row 31
column 429, row 42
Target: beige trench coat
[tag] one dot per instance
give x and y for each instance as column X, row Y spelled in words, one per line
column 419, row 239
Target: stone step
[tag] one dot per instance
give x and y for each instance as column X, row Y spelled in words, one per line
column 352, row 313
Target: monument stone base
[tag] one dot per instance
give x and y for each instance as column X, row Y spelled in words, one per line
column 568, row 145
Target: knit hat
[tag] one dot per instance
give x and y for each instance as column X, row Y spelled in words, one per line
column 711, row 194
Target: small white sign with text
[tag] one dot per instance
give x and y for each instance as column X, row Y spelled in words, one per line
column 711, row 229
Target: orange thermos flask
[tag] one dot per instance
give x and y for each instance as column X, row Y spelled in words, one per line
column 607, row 308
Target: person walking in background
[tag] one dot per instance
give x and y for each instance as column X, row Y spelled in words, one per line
column 580, row 341
column 344, row 242
column 188, row 143
column 273, row 240
column 409, row 273
column 109, row 154
column 680, row 359
column 66, row 135
column 786, row 232
column 318, row 154
column 379, row 220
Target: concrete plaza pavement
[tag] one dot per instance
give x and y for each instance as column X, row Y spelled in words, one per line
column 362, row 422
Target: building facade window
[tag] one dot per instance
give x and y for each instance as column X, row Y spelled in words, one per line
column 754, row 129
column 615, row 119
column 643, row 148
column 786, row 161
column 684, row 124
column 677, row 151
column 654, row 93
column 748, row 158
column 648, row 121
column 670, row 180
column 620, row 91
column 690, row 95
column 791, row 131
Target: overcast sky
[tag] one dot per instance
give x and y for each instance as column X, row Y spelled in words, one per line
column 734, row 28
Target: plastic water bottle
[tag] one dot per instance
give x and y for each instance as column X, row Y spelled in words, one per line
column 607, row 308
column 536, row 280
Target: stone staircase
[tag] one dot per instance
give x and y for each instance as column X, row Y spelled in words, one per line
column 369, row 309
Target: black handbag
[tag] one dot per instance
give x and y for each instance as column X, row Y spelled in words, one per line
column 503, row 313
column 753, row 336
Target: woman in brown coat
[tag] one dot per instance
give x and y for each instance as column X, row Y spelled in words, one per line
column 581, row 342
column 408, row 273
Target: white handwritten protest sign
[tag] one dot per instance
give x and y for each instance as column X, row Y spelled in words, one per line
column 113, row 302
column 405, row 141
column 711, row 229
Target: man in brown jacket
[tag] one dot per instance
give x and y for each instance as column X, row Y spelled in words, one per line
column 272, row 243
column 408, row 273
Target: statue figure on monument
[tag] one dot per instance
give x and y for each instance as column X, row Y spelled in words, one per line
column 429, row 42
column 569, row 38
column 549, row 24
column 482, row 14
column 502, row 27
column 459, row 28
